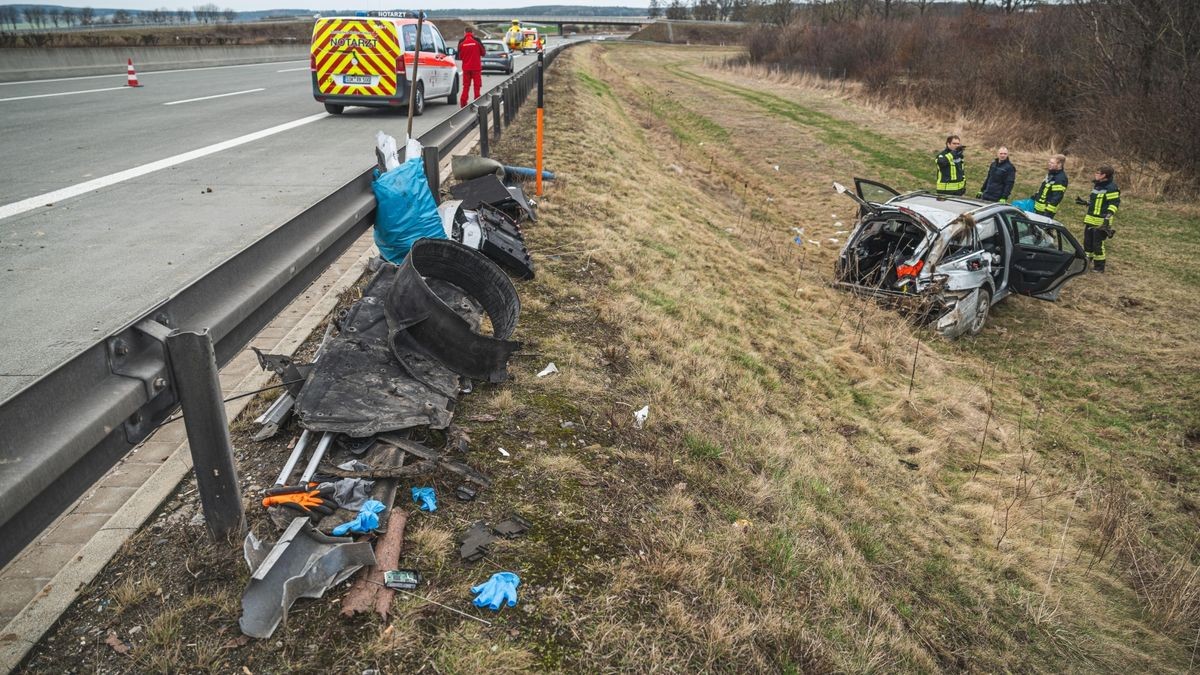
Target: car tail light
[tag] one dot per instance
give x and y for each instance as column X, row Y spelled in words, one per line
column 909, row 270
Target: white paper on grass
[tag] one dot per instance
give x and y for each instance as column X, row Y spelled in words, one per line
column 640, row 416
column 548, row 370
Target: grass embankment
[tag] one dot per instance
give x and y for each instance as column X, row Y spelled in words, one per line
column 1030, row 505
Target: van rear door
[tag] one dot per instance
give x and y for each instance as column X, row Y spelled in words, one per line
column 355, row 56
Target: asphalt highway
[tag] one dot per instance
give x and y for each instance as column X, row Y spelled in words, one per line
column 113, row 198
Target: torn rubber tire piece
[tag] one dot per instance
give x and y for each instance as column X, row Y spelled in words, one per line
column 422, row 322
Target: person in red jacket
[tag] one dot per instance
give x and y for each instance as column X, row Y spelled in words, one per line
column 470, row 53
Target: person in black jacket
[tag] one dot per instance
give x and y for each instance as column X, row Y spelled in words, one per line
column 1102, row 206
column 950, row 177
column 998, row 185
column 1050, row 193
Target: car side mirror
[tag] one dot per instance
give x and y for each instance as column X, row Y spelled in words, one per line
column 451, row 51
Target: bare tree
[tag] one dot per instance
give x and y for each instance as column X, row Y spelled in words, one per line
column 655, row 9
column 8, row 14
column 677, row 10
column 705, row 10
column 778, row 12
column 739, row 10
column 122, row 17
column 55, row 16
column 230, row 15
column 183, row 15
column 87, row 16
column 70, row 16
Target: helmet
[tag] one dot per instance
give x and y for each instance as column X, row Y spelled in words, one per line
column 516, row 22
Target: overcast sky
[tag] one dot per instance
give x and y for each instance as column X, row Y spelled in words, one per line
column 324, row 5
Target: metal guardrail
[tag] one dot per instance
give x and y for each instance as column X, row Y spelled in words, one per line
column 62, row 432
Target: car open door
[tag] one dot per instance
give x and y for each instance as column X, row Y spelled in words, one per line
column 1045, row 257
column 871, row 191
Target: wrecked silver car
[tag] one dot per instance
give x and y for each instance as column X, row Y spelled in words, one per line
column 952, row 258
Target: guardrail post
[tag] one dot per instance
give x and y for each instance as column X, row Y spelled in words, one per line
column 495, row 104
column 482, row 112
column 194, row 369
column 433, row 173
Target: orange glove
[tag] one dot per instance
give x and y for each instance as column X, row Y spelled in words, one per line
column 313, row 503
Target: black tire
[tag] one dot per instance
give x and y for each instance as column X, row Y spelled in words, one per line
column 334, row 109
column 510, row 69
column 419, row 101
column 453, row 97
column 981, row 311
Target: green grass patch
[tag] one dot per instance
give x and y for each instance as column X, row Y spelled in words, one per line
column 875, row 148
column 702, row 448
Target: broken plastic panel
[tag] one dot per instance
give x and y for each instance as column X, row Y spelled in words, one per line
column 362, row 386
column 303, row 564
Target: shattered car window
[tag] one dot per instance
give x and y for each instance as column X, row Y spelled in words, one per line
column 1036, row 235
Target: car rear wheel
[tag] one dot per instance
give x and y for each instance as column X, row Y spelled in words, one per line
column 981, row 312
column 334, row 109
column 419, row 100
column 453, row 97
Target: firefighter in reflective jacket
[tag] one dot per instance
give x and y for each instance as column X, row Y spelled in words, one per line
column 1053, row 187
column 950, row 179
column 1102, row 205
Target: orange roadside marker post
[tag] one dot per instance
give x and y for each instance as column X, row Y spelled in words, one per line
column 540, row 112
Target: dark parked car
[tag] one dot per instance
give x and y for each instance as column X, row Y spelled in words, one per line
column 498, row 56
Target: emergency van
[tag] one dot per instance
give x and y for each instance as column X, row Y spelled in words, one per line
column 368, row 61
column 529, row 40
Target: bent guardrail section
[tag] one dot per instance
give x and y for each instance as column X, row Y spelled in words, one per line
column 62, row 432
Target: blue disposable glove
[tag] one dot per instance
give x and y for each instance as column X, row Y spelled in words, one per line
column 425, row 497
column 500, row 589
column 367, row 520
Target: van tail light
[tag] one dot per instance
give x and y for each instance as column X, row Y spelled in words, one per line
column 909, row 270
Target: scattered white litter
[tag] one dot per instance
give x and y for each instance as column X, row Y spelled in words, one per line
column 838, row 224
column 504, row 452
column 776, row 167
column 639, row 417
column 842, row 232
column 548, row 370
column 814, row 241
column 833, row 240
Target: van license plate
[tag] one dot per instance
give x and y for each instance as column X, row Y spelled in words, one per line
column 356, row 79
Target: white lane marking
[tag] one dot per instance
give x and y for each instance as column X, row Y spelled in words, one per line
column 63, row 93
column 148, row 72
column 292, row 70
column 205, row 98
column 56, row 196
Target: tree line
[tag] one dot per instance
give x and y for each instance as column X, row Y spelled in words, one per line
column 42, row 17
column 1114, row 78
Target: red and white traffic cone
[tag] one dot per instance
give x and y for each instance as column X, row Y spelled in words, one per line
column 132, row 75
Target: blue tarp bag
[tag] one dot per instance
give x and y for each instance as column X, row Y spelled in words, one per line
column 1024, row 204
column 406, row 210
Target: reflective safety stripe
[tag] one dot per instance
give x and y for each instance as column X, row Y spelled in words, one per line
column 951, row 186
column 1094, row 221
column 1041, row 207
column 1058, row 188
